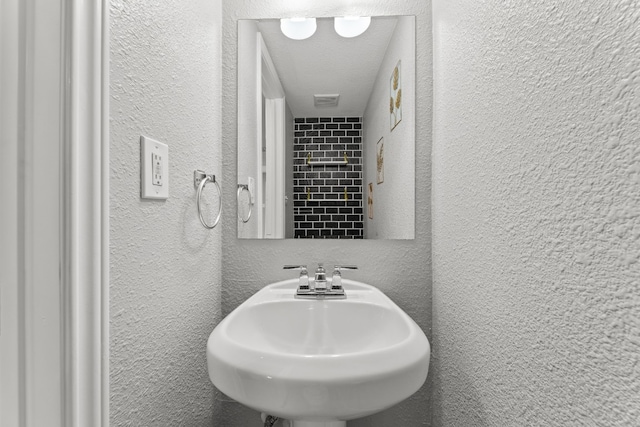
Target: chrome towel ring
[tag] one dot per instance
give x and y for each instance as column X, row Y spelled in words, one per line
column 200, row 179
column 241, row 188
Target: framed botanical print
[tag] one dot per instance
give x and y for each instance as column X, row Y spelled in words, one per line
column 370, row 201
column 395, row 102
column 380, row 161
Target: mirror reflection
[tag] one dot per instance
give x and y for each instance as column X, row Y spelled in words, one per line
column 326, row 128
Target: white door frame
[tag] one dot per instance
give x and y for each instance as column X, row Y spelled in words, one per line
column 54, row 294
column 10, row 372
column 274, row 115
column 86, row 227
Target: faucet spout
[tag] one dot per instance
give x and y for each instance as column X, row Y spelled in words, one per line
column 321, row 279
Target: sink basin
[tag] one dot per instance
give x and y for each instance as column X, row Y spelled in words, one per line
column 318, row 360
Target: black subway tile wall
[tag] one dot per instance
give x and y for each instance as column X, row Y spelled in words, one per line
column 327, row 198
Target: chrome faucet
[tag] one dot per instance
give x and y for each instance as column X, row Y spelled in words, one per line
column 319, row 288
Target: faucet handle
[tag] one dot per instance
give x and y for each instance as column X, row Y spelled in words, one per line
column 303, row 284
column 345, row 267
column 336, row 280
column 294, row 267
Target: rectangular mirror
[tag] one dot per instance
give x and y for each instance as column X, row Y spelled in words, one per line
column 326, row 129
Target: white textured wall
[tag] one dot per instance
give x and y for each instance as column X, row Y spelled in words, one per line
column 536, row 218
column 165, row 267
column 399, row 268
column 394, row 199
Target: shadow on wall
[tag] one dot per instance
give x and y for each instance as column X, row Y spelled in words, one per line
column 234, row 414
column 468, row 396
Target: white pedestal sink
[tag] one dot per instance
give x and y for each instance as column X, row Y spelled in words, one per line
column 318, row 362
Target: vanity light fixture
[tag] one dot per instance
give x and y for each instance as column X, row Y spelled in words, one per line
column 298, row 28
column 351, row 26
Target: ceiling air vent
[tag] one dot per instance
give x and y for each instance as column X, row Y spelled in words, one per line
column 326, row 100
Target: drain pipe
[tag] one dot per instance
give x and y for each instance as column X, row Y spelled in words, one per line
column 269, row 420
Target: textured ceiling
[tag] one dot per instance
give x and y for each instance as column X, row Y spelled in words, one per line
column 326, row 63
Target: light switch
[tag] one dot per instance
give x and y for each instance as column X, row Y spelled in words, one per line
column 154, row 169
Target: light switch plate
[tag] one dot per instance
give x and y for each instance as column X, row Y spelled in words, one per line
column 251, row 183
column 154, row 169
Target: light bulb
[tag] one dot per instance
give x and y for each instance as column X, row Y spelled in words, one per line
column 351, row 26
column 298, row 28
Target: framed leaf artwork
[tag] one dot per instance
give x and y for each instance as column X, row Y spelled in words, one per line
column 370, row 201
column 395, row 101
column 380, row 161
